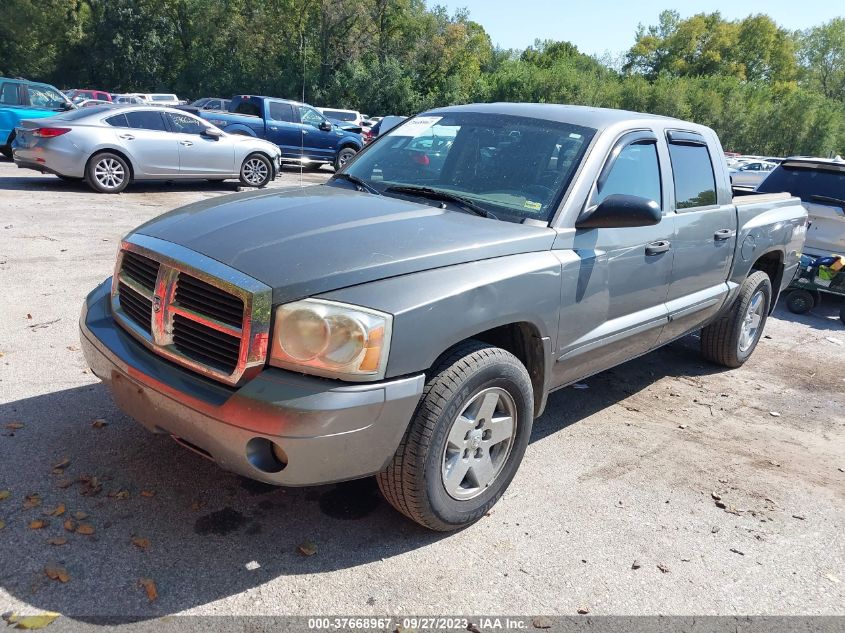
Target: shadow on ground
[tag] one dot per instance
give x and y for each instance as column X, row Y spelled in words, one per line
column 823, row 317
column 204, row 526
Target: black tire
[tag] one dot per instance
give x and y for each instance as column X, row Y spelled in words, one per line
column 256, row 171
column 344, row 156
column 720, row 341
column 69, row 178
column 312, row 166
column 800, row 301
column 842, row 314
column 102, row 162
column 413, row 482
column 6, row 149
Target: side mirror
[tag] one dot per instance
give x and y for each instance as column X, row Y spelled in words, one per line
column 618, row 211
column 326, row 126
column 212, row 133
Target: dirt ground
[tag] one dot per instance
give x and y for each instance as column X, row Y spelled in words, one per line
column 667, row 486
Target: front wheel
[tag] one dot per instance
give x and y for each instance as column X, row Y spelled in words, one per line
column 343, row 157
column 256, row 171
column 465, row 441
column 107, row 173
column 731, row 340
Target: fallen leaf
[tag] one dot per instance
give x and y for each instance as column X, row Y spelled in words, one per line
column 79, row 515
column 140, row 543
column 28, row 315
column 70, row 525
column 2, row 524
column 663, row 568
column 121, row 494
column 800, row 517
column 196, row 505
column 5, row 494
column 774, row 414
column 72, row 348
column 541, row 622
column 736, row 551
column 715, row 496
column 32, row 501
column 150, row 587
column 307, row 548
column 99, row 423
column 14, row 426
column 85, row 528
column 58, row 511
column 57, row 540
column 57, row 573
column 37, row 524
column 63, row 463
column 636, row 565
column 148, row 493
column 583, row 611
column 30, row 622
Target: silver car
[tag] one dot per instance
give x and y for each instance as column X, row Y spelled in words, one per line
column 110, row 146
column 751, row 173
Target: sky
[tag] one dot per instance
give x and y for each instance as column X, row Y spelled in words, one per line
column 608, row 26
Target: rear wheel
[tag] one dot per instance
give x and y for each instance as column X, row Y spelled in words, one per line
column 465, row 441
column 107, row 173
column 731, row 340
column 256, row 171
column 800, row 301
column 6, row 149
column 343, row 157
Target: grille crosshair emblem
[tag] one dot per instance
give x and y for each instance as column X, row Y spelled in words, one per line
column 156, row 303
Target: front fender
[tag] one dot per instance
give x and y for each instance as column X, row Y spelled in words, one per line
column 435, row 309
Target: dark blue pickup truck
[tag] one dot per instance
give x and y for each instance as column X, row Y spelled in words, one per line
column 300, row 131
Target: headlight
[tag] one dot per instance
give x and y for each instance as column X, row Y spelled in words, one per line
column 331, row 339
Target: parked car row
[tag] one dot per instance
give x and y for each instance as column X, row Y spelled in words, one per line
column 109, row 140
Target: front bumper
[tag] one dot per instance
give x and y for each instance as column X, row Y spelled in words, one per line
column 329, row 431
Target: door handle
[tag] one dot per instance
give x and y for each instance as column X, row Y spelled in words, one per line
column 655, row 248
column 274, row 128
column 723, row 234
column 305, row 131
column 186, row 143
column 126, row 137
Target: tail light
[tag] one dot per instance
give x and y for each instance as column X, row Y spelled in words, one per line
column 50, row 132
column 421, row 159
column 368, row 136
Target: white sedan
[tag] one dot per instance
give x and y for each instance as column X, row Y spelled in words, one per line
column 110, row 146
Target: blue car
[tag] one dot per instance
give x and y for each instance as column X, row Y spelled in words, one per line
column 22, row 99
column 301, row 132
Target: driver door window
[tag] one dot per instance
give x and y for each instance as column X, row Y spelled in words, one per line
column 635, row 172
column 183, row 124
column 309, row 116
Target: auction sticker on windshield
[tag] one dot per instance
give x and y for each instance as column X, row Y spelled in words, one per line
column 416, row 127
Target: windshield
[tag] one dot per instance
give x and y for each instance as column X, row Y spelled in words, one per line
column 805, row 182
column 513, row 167
column 45, row 97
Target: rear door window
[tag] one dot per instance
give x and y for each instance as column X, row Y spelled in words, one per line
column 9, row 94
column 695, row 183
column 281, row 111
column 118, row 121
column 248, row 108
column 146, row 120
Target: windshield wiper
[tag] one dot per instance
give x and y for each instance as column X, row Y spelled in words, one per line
column 836, row 201
column 362, row 185
column 445, row 196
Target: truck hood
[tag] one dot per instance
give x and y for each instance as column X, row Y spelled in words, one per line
column 308, row 241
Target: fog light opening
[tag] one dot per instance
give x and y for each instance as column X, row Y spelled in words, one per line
column 265, row 455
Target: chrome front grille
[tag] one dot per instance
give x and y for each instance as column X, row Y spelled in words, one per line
column 191, row 309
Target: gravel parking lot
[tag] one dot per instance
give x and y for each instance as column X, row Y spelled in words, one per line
column 666, row 486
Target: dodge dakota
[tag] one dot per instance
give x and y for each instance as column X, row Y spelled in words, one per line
column 409, row 318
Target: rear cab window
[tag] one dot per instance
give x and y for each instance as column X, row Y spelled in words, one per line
column 692, row 170
column 9, row 94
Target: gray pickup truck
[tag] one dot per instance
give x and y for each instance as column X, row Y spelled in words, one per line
column 409, row 318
